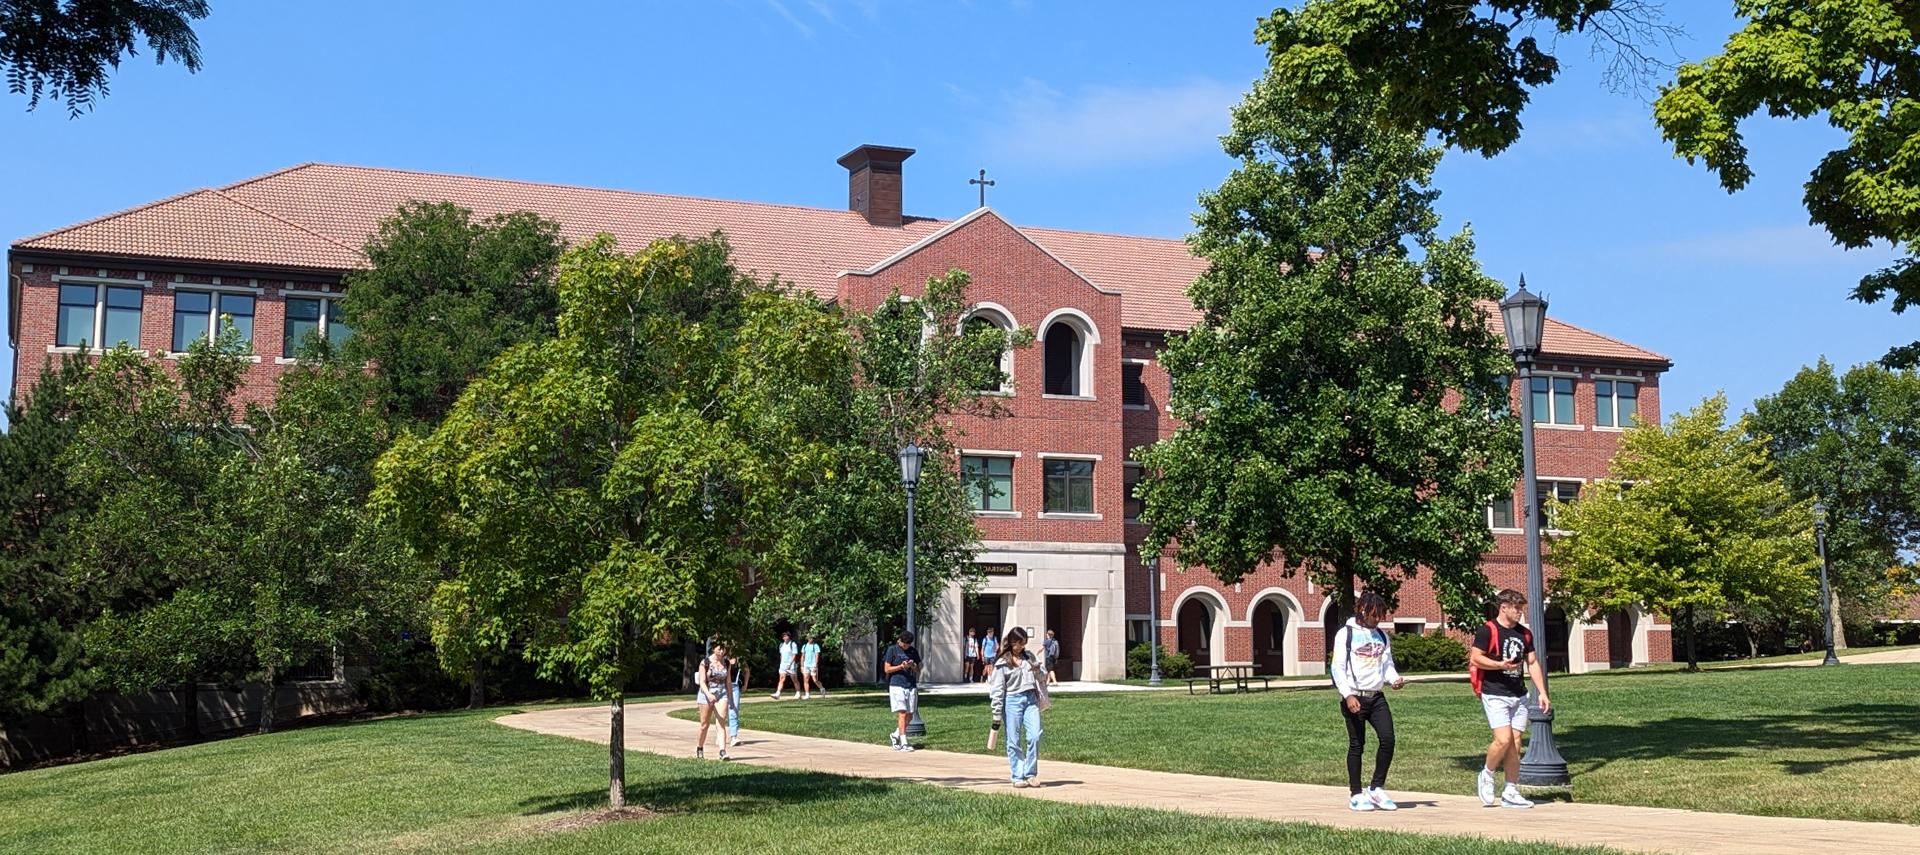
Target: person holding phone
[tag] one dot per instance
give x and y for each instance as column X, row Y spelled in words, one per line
column 902, row 668
column 1499, row 650
column 1016, row 689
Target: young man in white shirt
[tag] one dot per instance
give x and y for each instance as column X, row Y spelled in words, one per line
column 1362, row 670
column 788, row 660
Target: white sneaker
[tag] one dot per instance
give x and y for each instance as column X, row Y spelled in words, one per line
column 776, row 696
column 1380, row 798
column 805, row 697
column 906, row 746
column 893, row 739
column 1512, row 798
column 1486, row 788
column 1360, row 803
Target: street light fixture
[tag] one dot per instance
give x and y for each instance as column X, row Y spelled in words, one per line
column 1152, row 563
column 1524, row 314
column 912, row 457
column 1826, row 569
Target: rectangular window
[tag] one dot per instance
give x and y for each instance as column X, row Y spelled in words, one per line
column 236, row 310
column 1616, row 403
column 123, row 317
column 1500, row 512
column 1552, row 400
column 1565, row 491
column 1131, row 478
column 1408, row 627
column 337, row 330
column 1069, row 486
column 74, row 326
column 989, row 482
column 303, row 319
column 192, row 317
column 1132, row 388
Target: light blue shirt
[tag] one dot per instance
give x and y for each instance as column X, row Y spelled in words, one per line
column 810, row 655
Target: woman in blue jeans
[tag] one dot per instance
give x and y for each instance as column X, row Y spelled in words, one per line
column 1016, row 688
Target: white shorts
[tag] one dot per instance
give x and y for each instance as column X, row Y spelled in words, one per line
column 1503, row 711
column 787, row 669
column 811, row 670
column 903, row 699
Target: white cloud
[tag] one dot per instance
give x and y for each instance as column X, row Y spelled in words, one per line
column 1766, row 246
column 788, row 14
column 1109, row 126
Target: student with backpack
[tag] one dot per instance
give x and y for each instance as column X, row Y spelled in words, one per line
column 1499, row 649
column 1362, row 670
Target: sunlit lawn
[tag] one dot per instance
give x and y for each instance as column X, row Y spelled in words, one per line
column 1839, row 743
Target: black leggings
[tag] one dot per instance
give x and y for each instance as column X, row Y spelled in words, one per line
column 1373, row 711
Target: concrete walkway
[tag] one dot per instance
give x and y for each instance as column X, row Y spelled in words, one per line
column 649, row 728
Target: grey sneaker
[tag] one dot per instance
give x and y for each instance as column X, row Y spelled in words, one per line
column 1486, row 788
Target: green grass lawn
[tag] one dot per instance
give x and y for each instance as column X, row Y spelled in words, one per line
column 1834, row 743
column 459, row 783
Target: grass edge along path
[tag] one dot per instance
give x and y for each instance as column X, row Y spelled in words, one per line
column 459, row 782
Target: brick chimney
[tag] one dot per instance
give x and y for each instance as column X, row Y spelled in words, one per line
column 873, row 182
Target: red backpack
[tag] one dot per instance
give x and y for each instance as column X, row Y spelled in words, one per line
column 1493, row 638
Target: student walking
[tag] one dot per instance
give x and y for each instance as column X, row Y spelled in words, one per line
column 987, row 651
column 1051, row 649
column 1017, row 690
column 1362, row 670
column 902, row 667
column 810, row 669
column 741, row 675
column 712, row 692
column 1499, row 649
column 787, row 659
column 970, row 659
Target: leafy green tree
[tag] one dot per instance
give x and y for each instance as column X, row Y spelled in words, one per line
column 1694, row 522
column 1462, row 70
column 443, row 294
column 913, row 365
column 1344, row 403
column 61, row 49
column 612, row 485
column 1857, row 64
column 1849, row 440
column 42, row 605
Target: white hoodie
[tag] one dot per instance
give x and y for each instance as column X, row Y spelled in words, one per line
column 1362, row 659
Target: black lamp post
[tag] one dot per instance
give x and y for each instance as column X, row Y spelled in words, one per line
column 911, row 457
column 1826, row 569
column 1524, row 315
column 1152, row 563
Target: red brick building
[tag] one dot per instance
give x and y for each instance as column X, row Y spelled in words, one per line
column 1058, row 539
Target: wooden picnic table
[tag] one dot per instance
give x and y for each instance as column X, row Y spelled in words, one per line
column 1218, row 677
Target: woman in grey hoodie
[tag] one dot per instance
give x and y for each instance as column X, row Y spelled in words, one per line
column 1016, row 689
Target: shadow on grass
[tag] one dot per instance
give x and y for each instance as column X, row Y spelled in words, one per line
column 744, row 792
column 1861, row 729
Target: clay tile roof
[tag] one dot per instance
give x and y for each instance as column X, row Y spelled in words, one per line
column 317, row 216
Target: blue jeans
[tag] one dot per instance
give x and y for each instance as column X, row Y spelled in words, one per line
column 1023, row 715
column 733, row 712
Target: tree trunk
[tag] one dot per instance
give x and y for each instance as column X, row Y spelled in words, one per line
column 477, row 686
column 1839, row 626
column 617, row 755
column 193, row 710
column 268, row 705
column 1693, row 632
column 1753, row 643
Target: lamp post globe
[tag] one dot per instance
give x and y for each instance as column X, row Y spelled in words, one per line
column 1826, row 590
column 1523, row 314
column 912, row 457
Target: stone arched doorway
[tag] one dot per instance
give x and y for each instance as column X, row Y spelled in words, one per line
column 1557, row 634
column 1271, row 625
column 1620, row 629
column 1196, row 624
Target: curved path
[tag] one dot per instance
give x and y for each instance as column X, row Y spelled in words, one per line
column 649, row 728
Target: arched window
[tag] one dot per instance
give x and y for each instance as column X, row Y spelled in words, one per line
column 1063, row 360
column 992, row 317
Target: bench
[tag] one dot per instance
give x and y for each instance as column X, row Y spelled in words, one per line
column 1219, row 677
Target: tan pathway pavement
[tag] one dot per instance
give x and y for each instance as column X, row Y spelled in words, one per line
column 649, row 728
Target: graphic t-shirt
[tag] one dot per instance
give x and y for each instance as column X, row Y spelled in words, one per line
column 973, row 648
column 788, row 650
column 987, row 647
column 810, row 655
column 1512, row 646
column 904, row 678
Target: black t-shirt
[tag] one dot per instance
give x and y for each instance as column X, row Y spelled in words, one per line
column 1513, row 645
column 904, row 678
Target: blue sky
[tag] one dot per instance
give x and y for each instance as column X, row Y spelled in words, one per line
column 1102, row 117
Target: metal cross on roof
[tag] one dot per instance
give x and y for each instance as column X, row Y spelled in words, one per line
column 984, row 184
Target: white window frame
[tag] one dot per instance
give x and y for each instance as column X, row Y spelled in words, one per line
column 1517, row 512
column 1129, row 466
column 1094, row 494
column 99, row 331
column 213, row 313
column 326, row 298
column 1089, row 337
column 1000, row 316
column 1613, row 401
column 1544, row 480
column 1574, row 400
column 1143, row 363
